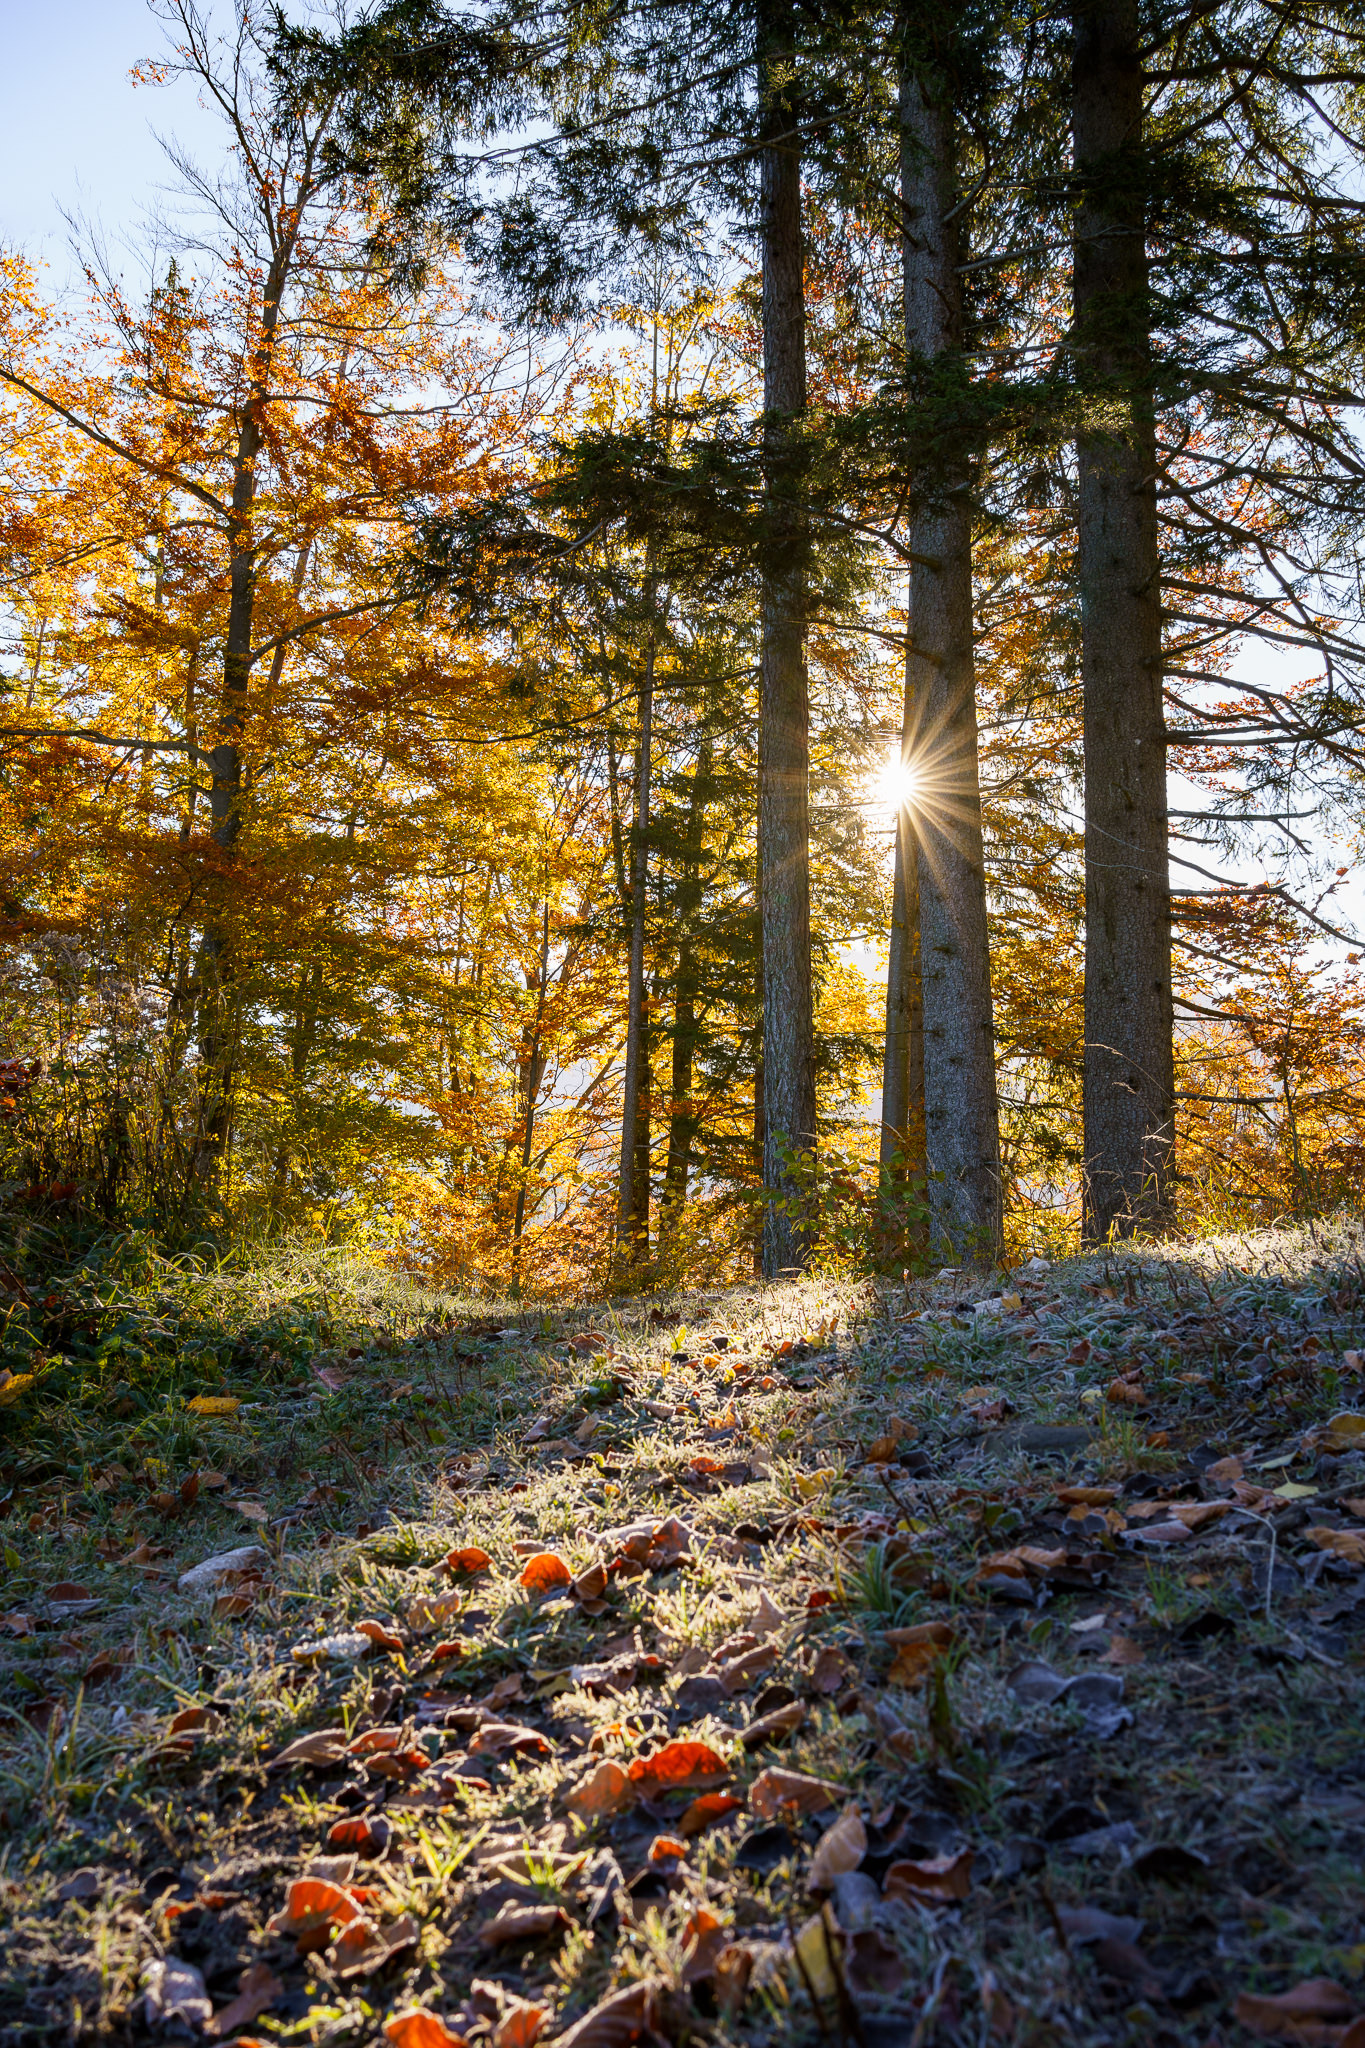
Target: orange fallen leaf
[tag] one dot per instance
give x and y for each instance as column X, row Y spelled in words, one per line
column 706, row 1810
column 508, row 1738
column 678, row 1767
column 521, row 2024
column 1087, row 1496
column 369, row 1835
column 667, row 1849
column 313, row 1904
column 944, row 1878
column 604, row 1791
column 470, row 1560
column 1126, row 1394
column 591, row 1584
column 544, row 1572
column 705, row 1940
column 417, row 2029
column 382, row 1638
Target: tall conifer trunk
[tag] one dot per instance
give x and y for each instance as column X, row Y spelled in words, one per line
column 961, row 1116
column 784, row 715
column 631, row 1224
column 1129, row 1087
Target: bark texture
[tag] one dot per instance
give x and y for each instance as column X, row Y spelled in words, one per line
column 1129, row 1085
column 632, row 1223
column 784, row 718
column 961, row 1116
column 901, row 1155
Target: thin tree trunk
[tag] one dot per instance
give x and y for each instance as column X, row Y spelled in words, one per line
column 535, row 1070
column 628, row 1219
column 682, row 1115
column 961, row 1115
column 784, row 716
column 1129, row 1084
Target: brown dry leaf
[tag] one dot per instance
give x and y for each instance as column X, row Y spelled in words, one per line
column 590, row 1585
column 428, row 1613
column 544, row 1572
column 830, row 1670
column 1126, row 1394
column 1087, row 1496
column 417, row 2029
column 1225, row 1471
column 679, row 1767
column 362, row 1949
column 705, row 1810
column 522, row 1923
column 16, row 1624
column 506, row 1690
column 705, row 1940
column 942, row 1878
column 509, row 1738
column 1197, row 1514
column 323, row 1746
column 618, row 2021
column 841, row 1847
column 767, row 1617
column 521, row 2026
column 1345, row 1543
column 469, row 1560
column 771, row 1727
column 739, row 1673
column 606, row 1790
column 1356, row 1508
column 1123, row 1651
column 1297, row 2014
column 872, row 1965
column 257, row 1990
column 777, row 1791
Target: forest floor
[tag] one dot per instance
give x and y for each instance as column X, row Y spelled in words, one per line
column 977, row 1662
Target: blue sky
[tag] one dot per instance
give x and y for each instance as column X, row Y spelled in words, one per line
column 74, row 132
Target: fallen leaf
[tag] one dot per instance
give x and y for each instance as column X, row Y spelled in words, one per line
column 777, row 1791
column 13, row 1384
column 509, row 1738
column 382, row 1638
column 738, row 1673
column 174, row 1990
column 1282, row 2015
column 1087, row 1496
column 772, row 1727
column 362, row 1949
column 428, row 1613
column 841, row 1847
column 82, row 1884
column 544, row 1572
column 678, row 1767
column 470, row 1560
column 945, row 1878
column 830, row 1670
column 767, row 1616
column 871, row 1965
column 257, row 1990
column 667, row 1849
column 618, row 2021
column 417, row 2029
column 1225, row 1471
column 606, row 1790
column 1345, row 1543
column 368, row 1834
column 323, row 1746
column 312, row 1905
column 221, row 1569
column 1123, row 1651
column 706, row 1810
column 1342, row 1432
column 522, row 1923
column 347, row 1647
column 16, row 1624
column 705, row 1940
column 521, row 2025
column 504, row 1691
column 214, row 1404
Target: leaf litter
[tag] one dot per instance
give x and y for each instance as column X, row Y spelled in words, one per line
column 1052, row 1614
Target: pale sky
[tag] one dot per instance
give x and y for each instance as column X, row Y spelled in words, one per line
column 75, row 134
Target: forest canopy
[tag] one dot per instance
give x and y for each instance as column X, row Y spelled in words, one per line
column 649, row 642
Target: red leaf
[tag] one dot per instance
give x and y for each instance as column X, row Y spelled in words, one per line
column 678, row 1767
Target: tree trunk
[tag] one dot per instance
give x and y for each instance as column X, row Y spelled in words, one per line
column 901, row 1158
column 784, row 718
column 535, row 1073
column 629, row 1222
column 1129, row 1086
column 961, row 1115
column 682, row 1115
